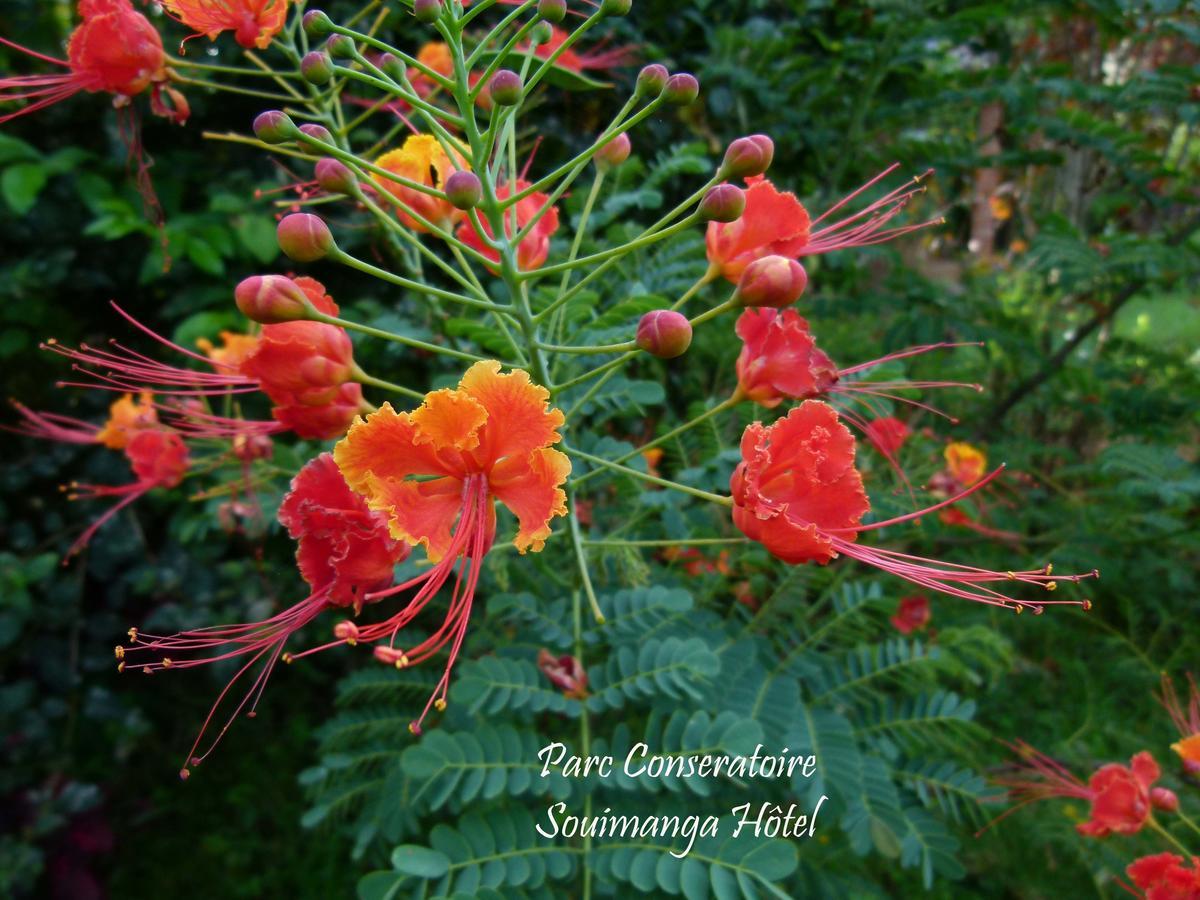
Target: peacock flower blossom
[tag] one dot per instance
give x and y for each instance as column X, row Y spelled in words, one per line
column 565, row 672
column 254, row 23
column 798, row 492
column 435, row 474
column 344, row 552
column 912, row 614
column 598, row 59
column 775, row 223
column 887, row 435
column 114, row 49
column 1122, row 798
column 965, row 464
column 1165, row 876
column 159, row 458
column 434, row 55
column 423, row 160
column 535, row 246
column 234, row 349
column 1186, row 720
column 126, row 417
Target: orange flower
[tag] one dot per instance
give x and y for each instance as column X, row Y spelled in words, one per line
column 253, row 22
column 965, row 463
column 234, row 349
column 435, row 474
column 421, row 159
column 126, row 417
column 1186, row 721
column 436, row 55
column 535, row 246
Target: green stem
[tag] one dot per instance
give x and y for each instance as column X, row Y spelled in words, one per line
column 363, row 378
column 688, row 542
column 395, row 338
column 709, row 276
column 341, row 256
column 591, row 392
column 731, row 303
column 652, row 479
column 1188, row 821
column 1157, row 826
column 592, row 373
column 622, row 250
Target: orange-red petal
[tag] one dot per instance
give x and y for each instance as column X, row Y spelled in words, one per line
column 531, row 489
column 419, row 512
column 449, row 420
column 520, row 419
column 385, row 445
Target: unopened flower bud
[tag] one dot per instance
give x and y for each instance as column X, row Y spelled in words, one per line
column 664, row 333
column 652, row 80
column 392, row 66
column 541, row 33
column 249, row 447
column 316, row 67
column 723, row 203
column 335, row 176
column 304, row 237
column 341, row 46
column 271, row 299
column 774, row 281
column 463, row 189
column 1164, row 799
column 274, row 127
column 747, row 157
column 613, row 153
column 616, row 7
column 317, row 24
column 552, row 10
column 427, row 11
column 316, row 132
column 682, row 89
column 505, row 87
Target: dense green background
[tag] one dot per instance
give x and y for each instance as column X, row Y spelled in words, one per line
column 1086, row 297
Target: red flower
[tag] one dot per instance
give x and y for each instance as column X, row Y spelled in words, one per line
column 912, row 614
column 535, row 246
column 775, row 223
column 1186, row 720
column 253, row 22
column 114, row 49
column 887, row 434
column 159, row 458
column 565, row 673
column 798, row 493
column 579, row 62
column 1164, row 876
column 780, row 358
column 344, row 552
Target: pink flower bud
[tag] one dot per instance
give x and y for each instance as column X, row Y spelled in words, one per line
column 316, row 67
column 271, row 299
column 505, row 87
column 341, row 46
column 682, row 89
column 274, row 127
column 304, row 237
column 317, row 24
column 542, row 33
column 427, row 11
column 652, row 80
column 335, row 176
column 613, row 153
column 463, row 189
column 1164, row 799
column 772, row 281
column 722, row 203
column 664, row 333
column 316, row 132
column 748, row 156
column 552, row 10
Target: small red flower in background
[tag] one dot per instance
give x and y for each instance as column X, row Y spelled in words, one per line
column 695, row 563
column 965, row 463
column 798, row 493
column 254, row 23
column 535, row 246
column 887, row 434
column 1186, row 720
column 126, row 417
column 612, row 58
column 1121, row 797
column 565, row 673
column 775, row 223
column 1165, row 876
column 344, row 552
column 912, row 614
column 114, row 49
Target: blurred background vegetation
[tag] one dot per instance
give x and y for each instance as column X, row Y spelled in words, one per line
column 1064, row 135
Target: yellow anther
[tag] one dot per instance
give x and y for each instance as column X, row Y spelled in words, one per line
column 439, row 704
column 1052, row 585
column 1087, row 605
column 412, row 728
column 133, row 634
column 1049, row 568
column 287, row 658
column 351, row 642
column 166, row 662
column 1020, row 609
column 121, row 667
column 1011, row 576
column 119, row 652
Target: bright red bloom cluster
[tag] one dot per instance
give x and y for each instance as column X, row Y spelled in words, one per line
column 254, row 23
column 1166, row 876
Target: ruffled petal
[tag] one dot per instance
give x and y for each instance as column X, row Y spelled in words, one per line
column 384, row 446
column 449, row 420
column 419, row 512
column 520, row 419
column 531, row 489
column 1145, row 769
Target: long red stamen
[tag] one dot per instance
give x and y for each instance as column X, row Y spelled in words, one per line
column 52, row 426
column 866, row 227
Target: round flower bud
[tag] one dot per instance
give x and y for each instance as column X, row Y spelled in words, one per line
column 613, row 153
column 427, row 11
column 505, row 87
column 391, row 66
column 552, row 10
column 271, row 299
column 317, row 24
column 341, row 46
column 664, row 333
column 1164, row 799
column 316, row 132
column 274, row 127
column 748, row 156
column 316, row 67
column 463, row 189
column 682, row 89
column 615, row 7
column 723, row 203
column 335, row 176
column 304, row 237
column 774, row 281
column 541, row 33
column 652, row 79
